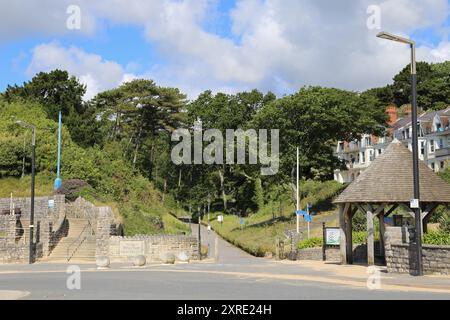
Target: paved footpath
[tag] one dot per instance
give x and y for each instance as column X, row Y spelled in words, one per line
column 237, row 275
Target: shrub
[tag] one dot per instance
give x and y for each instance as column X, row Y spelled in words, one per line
column 72, row 188
column 359, row 222
column 311, row 243
column 444, row 223
column 437, row 238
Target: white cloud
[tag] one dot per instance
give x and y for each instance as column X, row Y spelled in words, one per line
column 91, row 69
column 283, row 44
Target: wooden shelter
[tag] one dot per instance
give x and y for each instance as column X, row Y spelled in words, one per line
column 384, row 186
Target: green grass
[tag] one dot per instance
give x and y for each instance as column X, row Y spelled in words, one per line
column 173, row 226
column 259, row 234
column 22, row 187
column 141, row 215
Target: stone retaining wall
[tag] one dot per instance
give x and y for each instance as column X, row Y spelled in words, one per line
column 49, row 221
column 152, row 247
column 401, row 253
column 333, row 253
column 316, row 254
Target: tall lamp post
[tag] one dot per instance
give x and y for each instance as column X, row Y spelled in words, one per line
column 209, row 209
column 33, row 173
column 415, row 145
column 199, row 233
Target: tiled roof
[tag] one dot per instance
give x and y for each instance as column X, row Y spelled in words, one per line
column 389, row 179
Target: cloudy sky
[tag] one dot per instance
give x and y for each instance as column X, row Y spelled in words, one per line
column 223, row 45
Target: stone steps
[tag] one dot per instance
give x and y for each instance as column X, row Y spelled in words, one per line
column 85, row 251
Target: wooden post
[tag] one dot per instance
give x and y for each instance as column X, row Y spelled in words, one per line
column 370, row 237
column 343, row 243
column 349, row 238
column 324, row 245
column 382, row 230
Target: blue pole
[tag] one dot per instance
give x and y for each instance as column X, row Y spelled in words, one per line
column 58, row 181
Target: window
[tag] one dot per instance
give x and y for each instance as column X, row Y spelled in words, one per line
column 422, row 148
column 341, row 146
column 363, row 157
column 368, row 141
column 432, row 146
column 442, row 164
column 380, row 151
column 433, row 166
column 441, row 143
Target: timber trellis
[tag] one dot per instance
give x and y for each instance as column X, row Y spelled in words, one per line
column 383, row 187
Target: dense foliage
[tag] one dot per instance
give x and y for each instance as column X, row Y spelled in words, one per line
column 119, row 142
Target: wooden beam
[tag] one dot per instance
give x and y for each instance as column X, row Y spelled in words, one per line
column 348, row 236
column 370, row 236
column 395, row 206
column 361, row 208
column 380, row 209
column 382, row 232
column 426, row 215
column 343, row 243
column 429, row 210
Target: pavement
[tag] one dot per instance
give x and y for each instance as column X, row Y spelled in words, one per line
column 235, row 276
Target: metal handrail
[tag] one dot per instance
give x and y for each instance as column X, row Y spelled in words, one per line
column 81, row 238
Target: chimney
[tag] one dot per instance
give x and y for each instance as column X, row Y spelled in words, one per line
column 392, row 112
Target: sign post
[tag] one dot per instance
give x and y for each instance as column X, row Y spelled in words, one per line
column 331, row 237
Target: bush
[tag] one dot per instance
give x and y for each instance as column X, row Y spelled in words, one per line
column 311, row 243
column 437, row 238
column 444, row 223
column 359, row 222
column 72, row 188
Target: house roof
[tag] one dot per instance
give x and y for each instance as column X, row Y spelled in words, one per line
column 389, row 179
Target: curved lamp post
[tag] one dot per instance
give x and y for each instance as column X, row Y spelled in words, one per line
column 415, row 145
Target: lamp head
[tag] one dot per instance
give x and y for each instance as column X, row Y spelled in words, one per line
column 393, row 37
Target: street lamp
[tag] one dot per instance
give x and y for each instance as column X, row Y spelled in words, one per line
column 33, row 161
column 415, row 144
column 209, row 208
column 199, row 233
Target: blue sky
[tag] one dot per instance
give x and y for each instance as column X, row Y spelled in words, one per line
column 277, row 45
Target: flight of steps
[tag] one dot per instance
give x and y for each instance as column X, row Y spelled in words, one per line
column 85, row 252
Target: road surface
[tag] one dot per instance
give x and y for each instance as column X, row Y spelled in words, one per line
column 237, row 275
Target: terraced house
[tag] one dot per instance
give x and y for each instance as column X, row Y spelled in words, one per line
column 434, row 142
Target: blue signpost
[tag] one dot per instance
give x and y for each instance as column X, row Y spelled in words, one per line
column 58, row 181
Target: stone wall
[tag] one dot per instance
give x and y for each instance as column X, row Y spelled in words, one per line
column 401, row 254
column 333, row 253
column 316, row 254
column 82, row 209
column 49, row 222
column 152, row 247
column 105, row 220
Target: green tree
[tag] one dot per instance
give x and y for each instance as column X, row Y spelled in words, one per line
column 57, row 91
